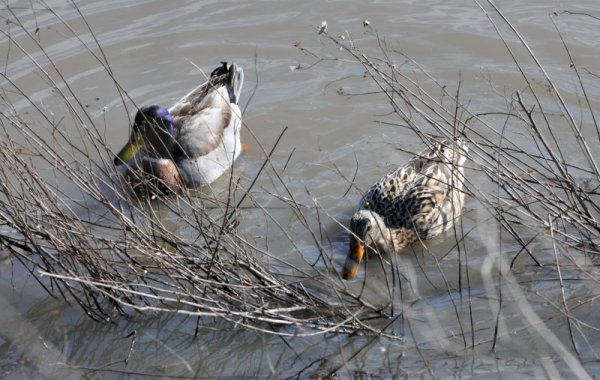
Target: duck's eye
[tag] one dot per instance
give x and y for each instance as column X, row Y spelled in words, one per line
column 368, row 228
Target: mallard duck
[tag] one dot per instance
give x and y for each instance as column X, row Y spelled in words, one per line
column 414, row 202
column 192, row 143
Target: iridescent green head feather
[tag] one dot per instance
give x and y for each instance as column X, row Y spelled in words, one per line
column 152, row 132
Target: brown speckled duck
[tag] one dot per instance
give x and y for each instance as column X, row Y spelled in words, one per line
column 417, row 201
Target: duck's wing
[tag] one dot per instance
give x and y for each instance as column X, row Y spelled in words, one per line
column 425, row 194
column 230, row 76
column 384, row 196
column 200, row 117
column 200, row 132
column 431, row 204
column 434, row 199
column 448, row 152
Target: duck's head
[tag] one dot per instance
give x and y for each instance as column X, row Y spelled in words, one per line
column 367, row 230
column 152, row 133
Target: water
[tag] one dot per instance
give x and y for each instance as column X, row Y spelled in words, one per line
column 154, row 50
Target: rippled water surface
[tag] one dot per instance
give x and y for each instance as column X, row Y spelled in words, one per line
column 159, row 50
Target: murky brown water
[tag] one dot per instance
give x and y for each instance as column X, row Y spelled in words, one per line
column 152, row 48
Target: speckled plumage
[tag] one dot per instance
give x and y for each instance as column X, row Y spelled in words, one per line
column 192, row 143
column 419, row 200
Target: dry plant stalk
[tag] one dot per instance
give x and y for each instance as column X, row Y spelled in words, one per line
column 539, row 190
column 127, row 257
column 68, row 216
column 532, row 184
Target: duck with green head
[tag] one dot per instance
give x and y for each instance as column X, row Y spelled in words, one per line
column 192, row 143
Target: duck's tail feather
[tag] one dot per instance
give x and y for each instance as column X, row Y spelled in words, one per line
column 234, row 77
column 237, row 80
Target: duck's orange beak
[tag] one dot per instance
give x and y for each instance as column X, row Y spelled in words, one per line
column 357, row 251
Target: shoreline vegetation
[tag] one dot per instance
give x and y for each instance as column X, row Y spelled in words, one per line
column 66, row 214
